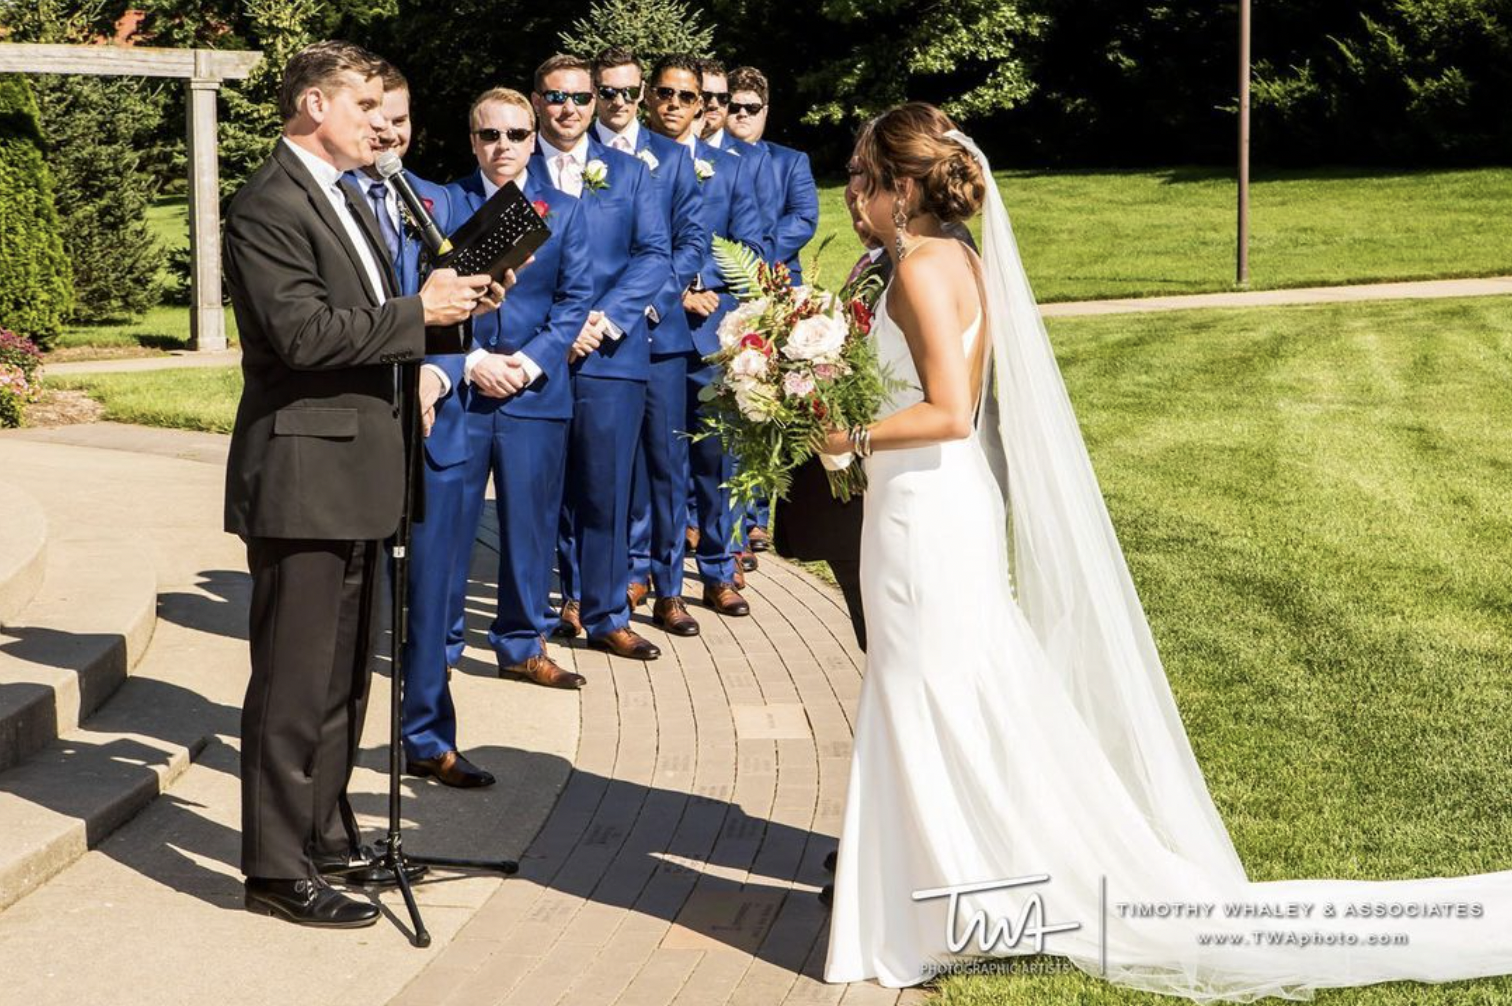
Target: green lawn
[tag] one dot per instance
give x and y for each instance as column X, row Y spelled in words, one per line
column 1106, row 234
column 1314, row 506
column 191, row 398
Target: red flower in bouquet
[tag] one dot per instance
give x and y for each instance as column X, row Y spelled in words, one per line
column 861, row 315
column 754, row 341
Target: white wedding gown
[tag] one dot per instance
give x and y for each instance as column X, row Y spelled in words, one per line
column 980, row 757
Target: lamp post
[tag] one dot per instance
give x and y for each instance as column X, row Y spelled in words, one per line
column 1244, row 141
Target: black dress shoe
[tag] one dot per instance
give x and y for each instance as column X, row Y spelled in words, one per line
column 308, row 903
column 829, row 861
column 450, row 768
column 364, row 868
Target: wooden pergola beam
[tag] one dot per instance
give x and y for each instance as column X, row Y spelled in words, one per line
column 204, row 70
column 127, row 61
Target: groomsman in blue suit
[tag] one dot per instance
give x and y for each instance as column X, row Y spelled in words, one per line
column 729, row 209
column 791, row 202
column 517, row 429
column 611, row 357
column 430, row 719
column 660, row 490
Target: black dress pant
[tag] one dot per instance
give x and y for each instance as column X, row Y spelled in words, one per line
column 848, row 575
column 313, row 631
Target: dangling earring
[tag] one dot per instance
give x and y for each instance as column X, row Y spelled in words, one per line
column 900, row 221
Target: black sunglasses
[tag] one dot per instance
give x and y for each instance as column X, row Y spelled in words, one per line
column 748, row 107
column 578, row 98
column 512, row 135
column 683, row 97
column 628, row 94
column 716, row 97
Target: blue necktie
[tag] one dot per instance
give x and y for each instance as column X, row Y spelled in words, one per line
column 378, row 193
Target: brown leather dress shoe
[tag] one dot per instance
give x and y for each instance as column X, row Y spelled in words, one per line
column 449, row 768
column 671, row 614
column 624, row 642
column 571, row 625
column 747, row 560
column 636, row 593
column 544, row 671
column 739, row 580
column 759, row 539
column 725, row 599
column 691, row 536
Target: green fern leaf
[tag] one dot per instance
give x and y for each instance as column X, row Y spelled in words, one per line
column 738, row 264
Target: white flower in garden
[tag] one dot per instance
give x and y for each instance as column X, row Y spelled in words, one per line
column 739, row 321
column 749, row 363
column 650, row 159
column 596, row 174
column 820, row 339
column 796, row 384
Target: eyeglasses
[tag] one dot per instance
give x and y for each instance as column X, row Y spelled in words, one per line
column 683, row 97
column 630, row 95
column 748, row 107
column 716, row 97
column 494, row 135
column 578, row 98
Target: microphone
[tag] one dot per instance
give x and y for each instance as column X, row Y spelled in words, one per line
column 391, row 170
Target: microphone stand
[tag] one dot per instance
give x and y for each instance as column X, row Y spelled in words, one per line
column 395, row 859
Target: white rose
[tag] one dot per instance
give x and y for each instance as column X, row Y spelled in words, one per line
column 755, row 400
column 650, row 159
column 703, row 169
column 819, row 338
column 749, row 363
column 742, row 319
column 596, row 174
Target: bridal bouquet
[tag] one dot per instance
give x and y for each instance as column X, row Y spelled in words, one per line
column 795, row 363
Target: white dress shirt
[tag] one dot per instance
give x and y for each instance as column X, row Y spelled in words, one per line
column 631, row 135
column 328, row 177
column 579, row 153
column 532, row 369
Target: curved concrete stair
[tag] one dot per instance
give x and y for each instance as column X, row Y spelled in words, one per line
column 65, row 653
column 23, row 548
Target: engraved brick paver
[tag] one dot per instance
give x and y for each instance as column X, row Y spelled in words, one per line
column 680, row 863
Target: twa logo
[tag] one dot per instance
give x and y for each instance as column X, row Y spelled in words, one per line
column 991, row 932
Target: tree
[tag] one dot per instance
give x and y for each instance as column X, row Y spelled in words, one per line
column 966, row 56
column 649, row 28
column 36, row 285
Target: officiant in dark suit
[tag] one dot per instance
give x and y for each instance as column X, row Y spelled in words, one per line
column 315, row 475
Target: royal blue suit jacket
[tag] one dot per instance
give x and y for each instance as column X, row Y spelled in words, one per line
column 731, row 209
column 546, row 308
column 447, row 443
column 793, row 211
column 681, row 200
column 631, row 256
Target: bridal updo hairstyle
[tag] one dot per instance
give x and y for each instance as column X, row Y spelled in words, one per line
column 909, row 141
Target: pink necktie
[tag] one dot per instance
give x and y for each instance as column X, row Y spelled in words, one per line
column 569, row 175
column 620, row 143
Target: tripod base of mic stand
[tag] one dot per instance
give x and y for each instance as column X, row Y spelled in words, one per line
column 395, row 860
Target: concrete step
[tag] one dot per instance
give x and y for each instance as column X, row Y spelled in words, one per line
column 23, row 549
column 69, row 649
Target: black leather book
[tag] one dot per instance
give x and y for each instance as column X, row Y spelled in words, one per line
column 501, row 235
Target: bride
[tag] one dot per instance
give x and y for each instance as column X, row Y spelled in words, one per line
column 1021, row 780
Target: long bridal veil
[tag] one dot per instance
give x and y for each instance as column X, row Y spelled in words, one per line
column 1074, row 588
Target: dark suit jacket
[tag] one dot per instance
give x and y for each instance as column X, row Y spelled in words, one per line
column 316, row 450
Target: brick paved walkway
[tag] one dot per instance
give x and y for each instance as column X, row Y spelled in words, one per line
column 681, row 861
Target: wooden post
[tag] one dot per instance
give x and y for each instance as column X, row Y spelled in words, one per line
column 1244, row 142
column 207, row 321
column 204, row 69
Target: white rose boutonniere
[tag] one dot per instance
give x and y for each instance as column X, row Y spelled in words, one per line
column 650, row 159
column 596, row 175
column 703, row 169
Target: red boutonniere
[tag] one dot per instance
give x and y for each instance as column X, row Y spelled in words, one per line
column 543, row 209
column 430, row 205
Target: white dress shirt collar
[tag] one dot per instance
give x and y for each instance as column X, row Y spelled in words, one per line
column 631, row 132
column 692, row 144
column 328, row 177
column 716, row 139
column 579, row 152
column 489, row 188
